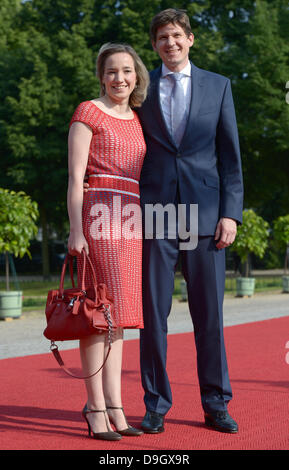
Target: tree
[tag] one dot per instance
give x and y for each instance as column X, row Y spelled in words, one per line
column 252, row 237
column 18, row 218
column 255, row 55
column 281, row 235
column 55, row 72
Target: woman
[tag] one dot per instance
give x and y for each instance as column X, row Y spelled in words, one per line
column 106, row 144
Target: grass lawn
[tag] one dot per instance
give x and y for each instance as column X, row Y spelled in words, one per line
column 35, row 292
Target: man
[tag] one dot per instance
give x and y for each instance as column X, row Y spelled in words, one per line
column 192, row 157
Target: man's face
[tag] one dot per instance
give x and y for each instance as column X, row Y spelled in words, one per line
column 173, row 45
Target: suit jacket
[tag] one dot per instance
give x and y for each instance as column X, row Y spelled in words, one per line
column 206, row 168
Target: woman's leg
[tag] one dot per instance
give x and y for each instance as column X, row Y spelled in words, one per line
column 112, row 379
column 92, row 356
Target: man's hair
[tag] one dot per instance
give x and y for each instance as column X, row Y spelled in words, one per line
column 171, row 15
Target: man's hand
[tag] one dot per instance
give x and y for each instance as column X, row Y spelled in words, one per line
column 85, row 187
column 225, row 232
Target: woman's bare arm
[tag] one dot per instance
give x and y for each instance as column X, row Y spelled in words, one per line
column 79, row 139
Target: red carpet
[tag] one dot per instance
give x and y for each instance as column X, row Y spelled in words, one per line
column 40, row 405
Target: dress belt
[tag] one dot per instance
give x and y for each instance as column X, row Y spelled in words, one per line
column 118, row 184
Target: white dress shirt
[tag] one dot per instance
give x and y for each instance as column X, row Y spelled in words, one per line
column 166, row 88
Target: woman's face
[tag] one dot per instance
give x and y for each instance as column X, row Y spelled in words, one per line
column 119, row 77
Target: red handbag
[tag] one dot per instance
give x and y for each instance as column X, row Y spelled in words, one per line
column 78, row 312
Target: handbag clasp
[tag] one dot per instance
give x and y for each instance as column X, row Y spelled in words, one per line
column 72, row 302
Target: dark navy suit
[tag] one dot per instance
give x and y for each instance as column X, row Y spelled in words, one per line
column 206, row 170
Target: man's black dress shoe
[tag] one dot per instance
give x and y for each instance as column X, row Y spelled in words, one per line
column 153, row 423
column 221, row 421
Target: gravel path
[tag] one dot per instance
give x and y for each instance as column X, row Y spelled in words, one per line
column 24, row 336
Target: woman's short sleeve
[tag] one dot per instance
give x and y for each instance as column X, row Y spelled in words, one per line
column 86, row 112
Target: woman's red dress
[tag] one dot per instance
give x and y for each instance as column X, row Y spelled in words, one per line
column 111, row 214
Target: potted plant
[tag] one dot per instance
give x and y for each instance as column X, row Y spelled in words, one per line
column 252, row 237
column 281, row 236
column 18, row 217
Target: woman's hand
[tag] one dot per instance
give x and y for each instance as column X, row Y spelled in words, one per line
column 76, row 243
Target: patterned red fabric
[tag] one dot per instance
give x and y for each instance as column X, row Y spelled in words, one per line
column 116, row 152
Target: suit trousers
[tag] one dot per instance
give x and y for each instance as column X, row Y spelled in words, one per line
column 204, row 271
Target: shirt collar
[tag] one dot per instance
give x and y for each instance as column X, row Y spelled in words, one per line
column 185, row 71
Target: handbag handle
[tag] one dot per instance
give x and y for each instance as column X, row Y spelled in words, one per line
column 85, row 258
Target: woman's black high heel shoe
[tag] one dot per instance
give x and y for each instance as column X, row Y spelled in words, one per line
column 129, row 431
column 105, row 436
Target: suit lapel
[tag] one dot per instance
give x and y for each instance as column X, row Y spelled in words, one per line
column 197, row 95
column 156, row 104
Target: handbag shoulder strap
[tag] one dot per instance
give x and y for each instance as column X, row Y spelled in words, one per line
column 57, row 355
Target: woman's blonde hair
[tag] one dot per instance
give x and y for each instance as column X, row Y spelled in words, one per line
column 139, row 94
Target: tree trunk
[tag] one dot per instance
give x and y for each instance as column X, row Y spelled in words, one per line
column 44, row 245
column 7, row 270
column 247, row 267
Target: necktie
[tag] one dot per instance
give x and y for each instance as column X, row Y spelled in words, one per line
column 178, row 108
